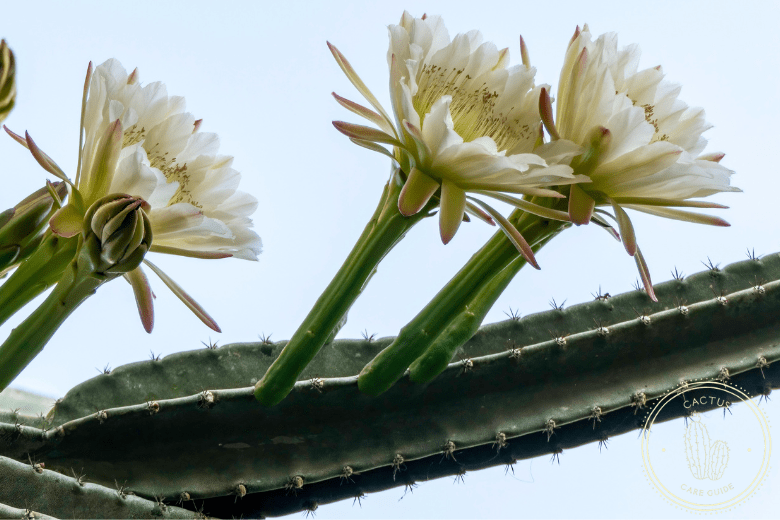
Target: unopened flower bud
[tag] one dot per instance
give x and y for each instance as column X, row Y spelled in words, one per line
column 117, row 233
column 7, row 83
column 21, row 227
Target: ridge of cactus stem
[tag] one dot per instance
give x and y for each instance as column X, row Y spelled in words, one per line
column 237, row 365
column 38, row 492
column 536, row 391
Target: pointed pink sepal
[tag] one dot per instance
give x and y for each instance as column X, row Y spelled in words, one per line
column 511, row 233
column 546, row 112
column 626, row 228
column 44, row 160
column 644, row 272
column 144, row 298
column 186, row 299
column 16, row 137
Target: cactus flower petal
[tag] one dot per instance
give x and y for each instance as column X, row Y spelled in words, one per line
column 463, row 118
column 653, row 160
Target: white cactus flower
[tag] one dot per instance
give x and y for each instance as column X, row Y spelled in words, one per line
column 642, row 145
column 464, row 122
column 137, row 140
column 196, row 208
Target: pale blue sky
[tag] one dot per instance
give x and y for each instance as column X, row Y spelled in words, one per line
column 260, row 75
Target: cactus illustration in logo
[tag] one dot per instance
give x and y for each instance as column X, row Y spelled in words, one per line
column 705, row 460
column 719, row 459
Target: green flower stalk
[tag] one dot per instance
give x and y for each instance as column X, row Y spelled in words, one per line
column 639, row 147
column 465, row 126
column 385, row 229
column 7, row 80
column 116, row 236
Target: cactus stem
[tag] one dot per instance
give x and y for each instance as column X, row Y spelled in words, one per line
column 383, row 231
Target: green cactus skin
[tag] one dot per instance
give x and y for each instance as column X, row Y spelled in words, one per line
column 47, row 492
column 517, row 392
column 237, row 365
column 13, row 512
column 282, row 502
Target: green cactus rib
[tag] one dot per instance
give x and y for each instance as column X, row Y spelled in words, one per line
column 756, row 382
column 26, row 488
column 13, row 512
column 238, row 365
column 211, row 443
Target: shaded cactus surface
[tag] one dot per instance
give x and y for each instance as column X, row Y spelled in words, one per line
column 189, row 422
